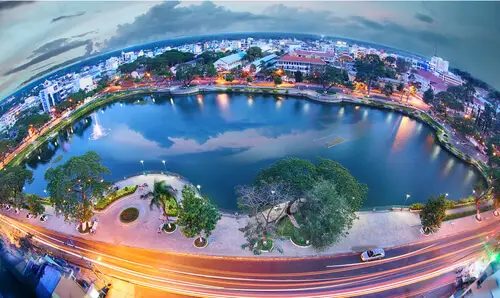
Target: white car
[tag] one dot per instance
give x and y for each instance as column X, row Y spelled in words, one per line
column 44, row 218
column 372, row 254
column 29, row 215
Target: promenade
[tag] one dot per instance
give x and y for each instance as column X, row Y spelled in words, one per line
column 372, row 229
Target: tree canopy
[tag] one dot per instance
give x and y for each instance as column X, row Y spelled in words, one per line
column 433, row 214
column 253, row 53
column 76, row 184
column 326, row 216
column 328, row 76
column 12, row 181
column 369, row 69
column 197, row 214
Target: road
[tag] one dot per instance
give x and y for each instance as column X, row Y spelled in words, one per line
column 424, row 268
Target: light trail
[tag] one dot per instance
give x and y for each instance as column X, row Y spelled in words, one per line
column 357, row 285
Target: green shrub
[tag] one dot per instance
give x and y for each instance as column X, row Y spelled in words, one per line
column 170, row 206
column 449, row 204
column 109, row 199
column 416, row 206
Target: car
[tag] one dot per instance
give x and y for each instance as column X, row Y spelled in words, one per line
column 43, row 218
column 373, row 254
column 29, row 215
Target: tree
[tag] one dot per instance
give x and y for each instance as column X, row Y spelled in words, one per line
column 75, row 185
column 187, row 72
column 388, row 89
column 299, row 77
column 267, row 203
column 12, row 181
column 161, row 192
column 326, row 215
column 429, row 96
column 229, row 77
column 296, row 172
column 5, row 147
column 210, row 70
column 345, row 183
column 479, row 193
column 390, row 60
column 34, row 204
column 277, row 80
column 197, row 214
column 447, row 99
column 433, row 214
column 369, row 69
column 328, row 76
column 253, row 53
column 402, row 65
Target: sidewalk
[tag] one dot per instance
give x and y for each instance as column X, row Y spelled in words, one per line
column 371, row 229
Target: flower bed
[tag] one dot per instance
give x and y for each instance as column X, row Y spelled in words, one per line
column 109, row 199
column 129, row 215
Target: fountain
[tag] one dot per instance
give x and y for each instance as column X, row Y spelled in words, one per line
column 97, row 130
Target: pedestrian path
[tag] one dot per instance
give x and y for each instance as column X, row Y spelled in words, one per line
column 371, row 229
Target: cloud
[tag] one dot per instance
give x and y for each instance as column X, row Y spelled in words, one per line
column 4, row 5
column 52, row 49
column 84, row 34
column 424, row 18
column 170, row 19
column 59, row 18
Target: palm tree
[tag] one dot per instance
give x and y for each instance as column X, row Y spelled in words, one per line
column 161, row 191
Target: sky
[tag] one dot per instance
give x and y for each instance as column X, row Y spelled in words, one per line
column 35, row 35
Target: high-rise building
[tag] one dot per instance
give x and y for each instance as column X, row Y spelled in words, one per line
column 49, row 96
column 438, row 64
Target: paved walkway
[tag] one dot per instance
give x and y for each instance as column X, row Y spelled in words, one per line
column 371, row 229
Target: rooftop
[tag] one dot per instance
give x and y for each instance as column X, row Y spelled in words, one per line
column 233, row 57
column 291, row 58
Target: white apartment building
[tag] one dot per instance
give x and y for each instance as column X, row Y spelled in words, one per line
column 49, row 96
column 292, row 63
column 85, row 83
column 439, row 65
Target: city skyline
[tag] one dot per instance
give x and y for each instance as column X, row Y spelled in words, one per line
column 45, row 35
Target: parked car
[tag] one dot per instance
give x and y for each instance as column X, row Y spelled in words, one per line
column 44, row 218
column 372, row 254
column 29, row 215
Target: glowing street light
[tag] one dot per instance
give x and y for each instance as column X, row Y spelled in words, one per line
column 164, row 166
column 198, row 187
column 407, row 196
column 142, row 163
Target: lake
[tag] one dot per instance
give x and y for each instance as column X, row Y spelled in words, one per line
column 222, row 140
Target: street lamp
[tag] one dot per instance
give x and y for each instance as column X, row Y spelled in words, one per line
column 198, row 187
column 446, row 194
column 164, row 166
column 407, row 197
column 142, row 163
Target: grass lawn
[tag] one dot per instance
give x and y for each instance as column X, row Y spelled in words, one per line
column 107, row 200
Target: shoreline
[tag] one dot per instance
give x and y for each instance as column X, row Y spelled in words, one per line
column 103, row 99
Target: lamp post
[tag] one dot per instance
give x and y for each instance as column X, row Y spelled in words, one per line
column 164, row 166
column 198, row 187
column 142, row 163
column 407, row 196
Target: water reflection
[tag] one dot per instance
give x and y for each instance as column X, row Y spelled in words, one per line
column 404, row 132
column 232, row 137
